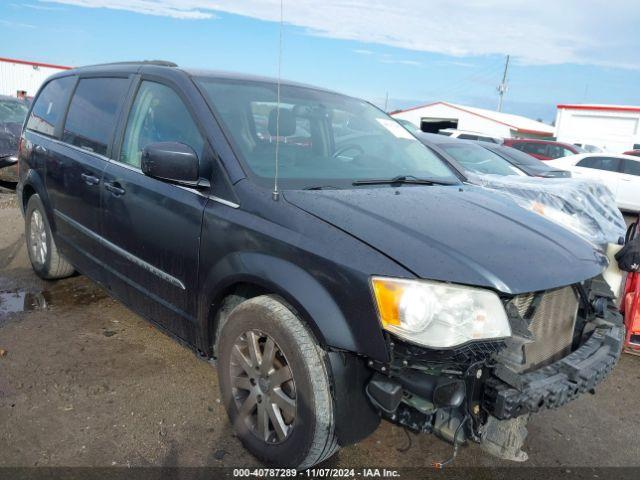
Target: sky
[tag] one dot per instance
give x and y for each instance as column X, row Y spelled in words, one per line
column 410, row 52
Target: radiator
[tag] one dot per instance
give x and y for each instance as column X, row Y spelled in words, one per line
column 552, row 323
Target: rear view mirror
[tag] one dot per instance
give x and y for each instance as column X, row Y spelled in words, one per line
column 172, row 162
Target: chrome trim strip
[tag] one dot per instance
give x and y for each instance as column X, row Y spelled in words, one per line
column 223, row 201
column 72, row 147
column 121, row 251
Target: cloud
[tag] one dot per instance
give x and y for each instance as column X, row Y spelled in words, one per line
column 361, row 51
column 539, row 33
column 161, row 8
column 34, row 6
column 10, row 24
column 398, row 61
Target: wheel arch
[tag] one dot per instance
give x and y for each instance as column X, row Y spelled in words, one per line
column 34, row 184
column 244, row 275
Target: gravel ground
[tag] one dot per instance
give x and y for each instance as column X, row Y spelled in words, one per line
column 86, row 382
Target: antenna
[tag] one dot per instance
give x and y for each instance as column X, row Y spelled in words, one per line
column 502, row 88
column 276, row 193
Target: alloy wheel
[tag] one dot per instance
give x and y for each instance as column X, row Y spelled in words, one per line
column 38, row 238
column 263, row 387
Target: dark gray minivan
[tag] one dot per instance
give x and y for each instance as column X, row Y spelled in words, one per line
column 368, row 281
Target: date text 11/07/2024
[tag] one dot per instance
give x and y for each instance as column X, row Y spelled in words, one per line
column 316, row 473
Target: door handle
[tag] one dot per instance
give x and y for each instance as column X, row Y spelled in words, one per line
column 625, row 179
column 115, row 189
column 90, row 179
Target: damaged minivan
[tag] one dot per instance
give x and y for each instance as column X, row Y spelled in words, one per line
column 337, row 270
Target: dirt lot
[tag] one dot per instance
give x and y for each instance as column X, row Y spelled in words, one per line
column 85, row 382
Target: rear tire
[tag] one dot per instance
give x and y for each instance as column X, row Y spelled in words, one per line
column 301, row 436
column 45, row 258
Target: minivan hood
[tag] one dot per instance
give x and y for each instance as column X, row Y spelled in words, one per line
column 462, row 234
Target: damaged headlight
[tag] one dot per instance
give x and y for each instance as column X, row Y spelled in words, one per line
column 439, row 315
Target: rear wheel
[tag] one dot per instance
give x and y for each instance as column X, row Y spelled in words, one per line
column 45, row 259
column 275, row 384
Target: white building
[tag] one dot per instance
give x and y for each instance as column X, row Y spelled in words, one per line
column 439, row 115
column 615, row 128
column 24, row 76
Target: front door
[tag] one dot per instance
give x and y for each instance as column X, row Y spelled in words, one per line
column 153, row 227
column 629, row 186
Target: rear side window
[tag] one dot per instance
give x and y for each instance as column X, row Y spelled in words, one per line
column 92, row 113
column 50, row 105
column 609, row 164
column 631, row 167
column 557, row 151
column 158, row 115
column 533, row 148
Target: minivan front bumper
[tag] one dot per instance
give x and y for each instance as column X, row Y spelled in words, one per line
column 509, row 395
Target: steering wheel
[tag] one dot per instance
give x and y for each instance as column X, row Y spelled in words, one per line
column 340, row 152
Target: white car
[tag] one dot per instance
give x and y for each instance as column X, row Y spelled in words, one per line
column 621, row 173
column 469, row 135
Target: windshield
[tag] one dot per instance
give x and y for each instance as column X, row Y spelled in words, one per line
column 520, row 158
column 325, row 139
column 478, row 159
column 12, row 111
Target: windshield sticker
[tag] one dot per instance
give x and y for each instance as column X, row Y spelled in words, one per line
column 395, row 128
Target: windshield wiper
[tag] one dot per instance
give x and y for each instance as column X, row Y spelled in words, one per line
column 409, row 179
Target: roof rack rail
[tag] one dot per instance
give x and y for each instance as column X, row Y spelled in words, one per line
column 159, row 63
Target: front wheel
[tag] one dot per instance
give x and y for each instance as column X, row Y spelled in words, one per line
column 275, row 385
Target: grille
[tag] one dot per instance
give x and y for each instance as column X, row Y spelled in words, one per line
column 552, row 324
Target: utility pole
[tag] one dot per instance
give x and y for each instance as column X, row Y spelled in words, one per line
column 502, row 88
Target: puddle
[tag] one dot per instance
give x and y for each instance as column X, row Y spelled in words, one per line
column 78, row 291
column 21, row 301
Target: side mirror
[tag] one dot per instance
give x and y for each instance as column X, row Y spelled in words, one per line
column 171, row 161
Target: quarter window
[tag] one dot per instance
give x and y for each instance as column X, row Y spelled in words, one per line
column 49, row 106
column 158, row 115
column 92, row 114
column 610, row 164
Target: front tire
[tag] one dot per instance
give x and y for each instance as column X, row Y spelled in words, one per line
column 45, row 258
column 275, row 385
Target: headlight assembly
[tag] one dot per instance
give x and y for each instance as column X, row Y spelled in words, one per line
column 437, row 314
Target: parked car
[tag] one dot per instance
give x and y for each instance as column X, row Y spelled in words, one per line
column 621, row 173
column 587, row 148
column 543, row 149
column 585, row 207
column 635, row 153
column 530, row 165
column 12, row 114
column 365, row 281
column 469, row 135
column 470, row 156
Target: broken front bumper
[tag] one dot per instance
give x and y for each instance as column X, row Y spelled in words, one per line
column 509, row 394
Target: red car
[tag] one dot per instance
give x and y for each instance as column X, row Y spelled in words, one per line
column 635, row 153
column 543, row 149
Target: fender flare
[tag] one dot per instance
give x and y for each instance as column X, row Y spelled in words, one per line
column 35, row 181
column 296, row 286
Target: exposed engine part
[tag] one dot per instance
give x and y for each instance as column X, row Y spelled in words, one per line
column 505, row 438
column 443, row 464
column 447, row 423
column 536, row 341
